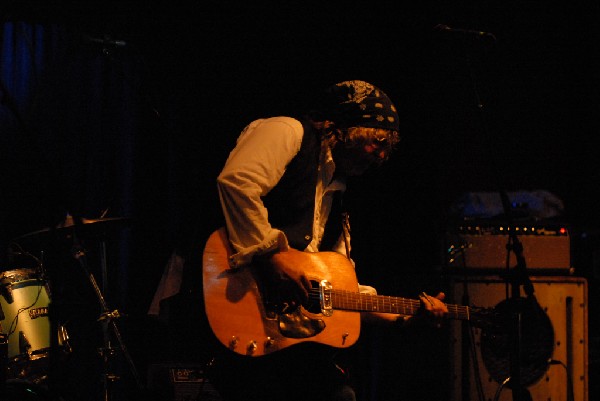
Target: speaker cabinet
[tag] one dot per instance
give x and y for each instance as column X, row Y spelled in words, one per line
column 474, row 374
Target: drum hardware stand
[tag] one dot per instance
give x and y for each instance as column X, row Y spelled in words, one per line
column 107, row 319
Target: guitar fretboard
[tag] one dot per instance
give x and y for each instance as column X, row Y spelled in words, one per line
column 348, row 300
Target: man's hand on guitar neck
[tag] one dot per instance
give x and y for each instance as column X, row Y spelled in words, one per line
column 284, row 275
column 433, row 310
column 434, row 306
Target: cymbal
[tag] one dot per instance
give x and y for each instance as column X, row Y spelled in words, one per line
column 82, row 227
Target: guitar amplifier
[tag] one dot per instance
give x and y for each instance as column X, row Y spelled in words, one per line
column 485, row 246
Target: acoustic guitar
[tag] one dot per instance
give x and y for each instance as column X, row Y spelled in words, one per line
column 249, row 322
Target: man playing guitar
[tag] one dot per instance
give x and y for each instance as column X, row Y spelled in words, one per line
column 281, row 194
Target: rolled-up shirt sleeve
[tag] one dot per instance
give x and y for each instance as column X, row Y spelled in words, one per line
column 253, row 168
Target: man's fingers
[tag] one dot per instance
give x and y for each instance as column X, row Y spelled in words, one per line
column 426, row 301
column 306, row 283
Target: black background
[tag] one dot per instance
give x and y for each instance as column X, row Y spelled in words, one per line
column 516, row 109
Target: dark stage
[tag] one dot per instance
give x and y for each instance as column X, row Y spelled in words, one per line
column 126, row 111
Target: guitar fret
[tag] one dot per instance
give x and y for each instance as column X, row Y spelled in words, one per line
column 387, row 304
column 374, row 303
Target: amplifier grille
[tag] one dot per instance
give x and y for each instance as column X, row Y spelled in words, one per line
column 486, row 247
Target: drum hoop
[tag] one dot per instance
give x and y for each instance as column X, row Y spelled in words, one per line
column 11, row 278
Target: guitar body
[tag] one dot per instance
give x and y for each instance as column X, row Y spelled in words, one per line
column 241, row 316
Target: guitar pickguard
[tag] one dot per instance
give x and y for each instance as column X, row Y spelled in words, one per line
column 294, row 324
column 297, row 325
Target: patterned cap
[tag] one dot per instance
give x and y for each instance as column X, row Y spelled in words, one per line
column 360, row 104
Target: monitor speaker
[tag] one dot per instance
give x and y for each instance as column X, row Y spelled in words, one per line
column 479, row 356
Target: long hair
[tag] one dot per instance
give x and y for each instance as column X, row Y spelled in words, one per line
column 355, row 137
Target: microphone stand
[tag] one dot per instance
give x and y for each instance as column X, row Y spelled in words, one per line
column 515, row 277
column 108, row 320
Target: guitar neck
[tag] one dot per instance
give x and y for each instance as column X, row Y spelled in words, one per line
column 352, row 301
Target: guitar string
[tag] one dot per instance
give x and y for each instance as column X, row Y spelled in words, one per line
column 358, row 301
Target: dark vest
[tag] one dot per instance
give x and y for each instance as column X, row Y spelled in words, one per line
column 291, row 203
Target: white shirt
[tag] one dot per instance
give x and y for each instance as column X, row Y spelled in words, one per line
column 257, row 163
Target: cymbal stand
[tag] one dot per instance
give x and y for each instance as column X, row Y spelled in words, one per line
column 107, row 319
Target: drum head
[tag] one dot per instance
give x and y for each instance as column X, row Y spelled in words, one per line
column 11, row 277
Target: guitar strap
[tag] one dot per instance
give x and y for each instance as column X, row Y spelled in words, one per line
column 346, row 232
column 339, row 211
column 333, row 228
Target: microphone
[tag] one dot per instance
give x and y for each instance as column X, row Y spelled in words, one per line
column 106, row 41
column 466, row 32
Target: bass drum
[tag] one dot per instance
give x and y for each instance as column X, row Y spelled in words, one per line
column 24, row 299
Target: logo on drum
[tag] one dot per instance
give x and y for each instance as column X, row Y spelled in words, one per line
column 34, row 313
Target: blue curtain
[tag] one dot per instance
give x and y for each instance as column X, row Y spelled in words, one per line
column 80, row 135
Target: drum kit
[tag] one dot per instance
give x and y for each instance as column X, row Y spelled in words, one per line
column 33, row 340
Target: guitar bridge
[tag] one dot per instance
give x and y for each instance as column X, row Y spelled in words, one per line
column 325, row 288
